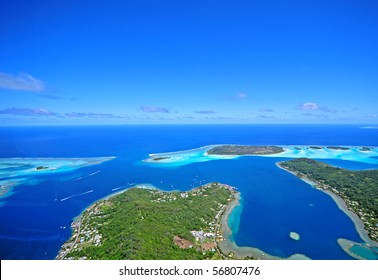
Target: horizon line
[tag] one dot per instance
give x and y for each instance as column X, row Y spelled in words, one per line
column 366, row 125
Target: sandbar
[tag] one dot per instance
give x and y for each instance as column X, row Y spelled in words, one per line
column 294, row 235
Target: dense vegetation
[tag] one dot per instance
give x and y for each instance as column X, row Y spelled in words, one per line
column 316, row 147
column 358, row 188
column 244, row 150
column 337, row 148
column 160, row 158
column 41, row 167
column 142, row 224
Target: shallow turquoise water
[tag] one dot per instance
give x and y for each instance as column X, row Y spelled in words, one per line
column 364, row 252
column 234, row 218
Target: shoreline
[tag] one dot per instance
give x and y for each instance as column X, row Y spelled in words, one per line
column 341, row 204
column 78, row 220
column 353, row 216
column 228, row 246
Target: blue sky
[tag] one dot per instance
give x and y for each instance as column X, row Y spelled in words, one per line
column 208, row 61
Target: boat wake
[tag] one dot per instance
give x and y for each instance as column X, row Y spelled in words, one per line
column 75, row 195
column 81, row 178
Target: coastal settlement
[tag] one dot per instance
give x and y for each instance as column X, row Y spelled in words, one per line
column 153, row 224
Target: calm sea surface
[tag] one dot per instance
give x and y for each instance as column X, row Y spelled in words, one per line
column 35, row 222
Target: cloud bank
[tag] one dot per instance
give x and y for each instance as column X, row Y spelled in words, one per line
column 204, row 112
column 154, row 109
column 92, row 115
column 266, row 117
column 39, row 112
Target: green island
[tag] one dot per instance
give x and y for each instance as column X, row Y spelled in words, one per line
column 143, row 223
column 160, row 158
column 41, row 167
column 358, row 189
column 316, row 147
column 244, row 150
column 338, row 148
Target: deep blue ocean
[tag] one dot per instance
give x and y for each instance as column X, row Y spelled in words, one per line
column 34, row 222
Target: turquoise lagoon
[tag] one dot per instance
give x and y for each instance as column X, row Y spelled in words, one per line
column 15, row 171
column 364, row 252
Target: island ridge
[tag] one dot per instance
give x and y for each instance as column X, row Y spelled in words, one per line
column 144, row 223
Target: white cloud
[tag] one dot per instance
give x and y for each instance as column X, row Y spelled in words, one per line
column 312, row 115
column 265, row 110
column 309, row 106
column 241, row 95
column 92, row 115
column 204, row 112
column 22, row 81
column 236, row 97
